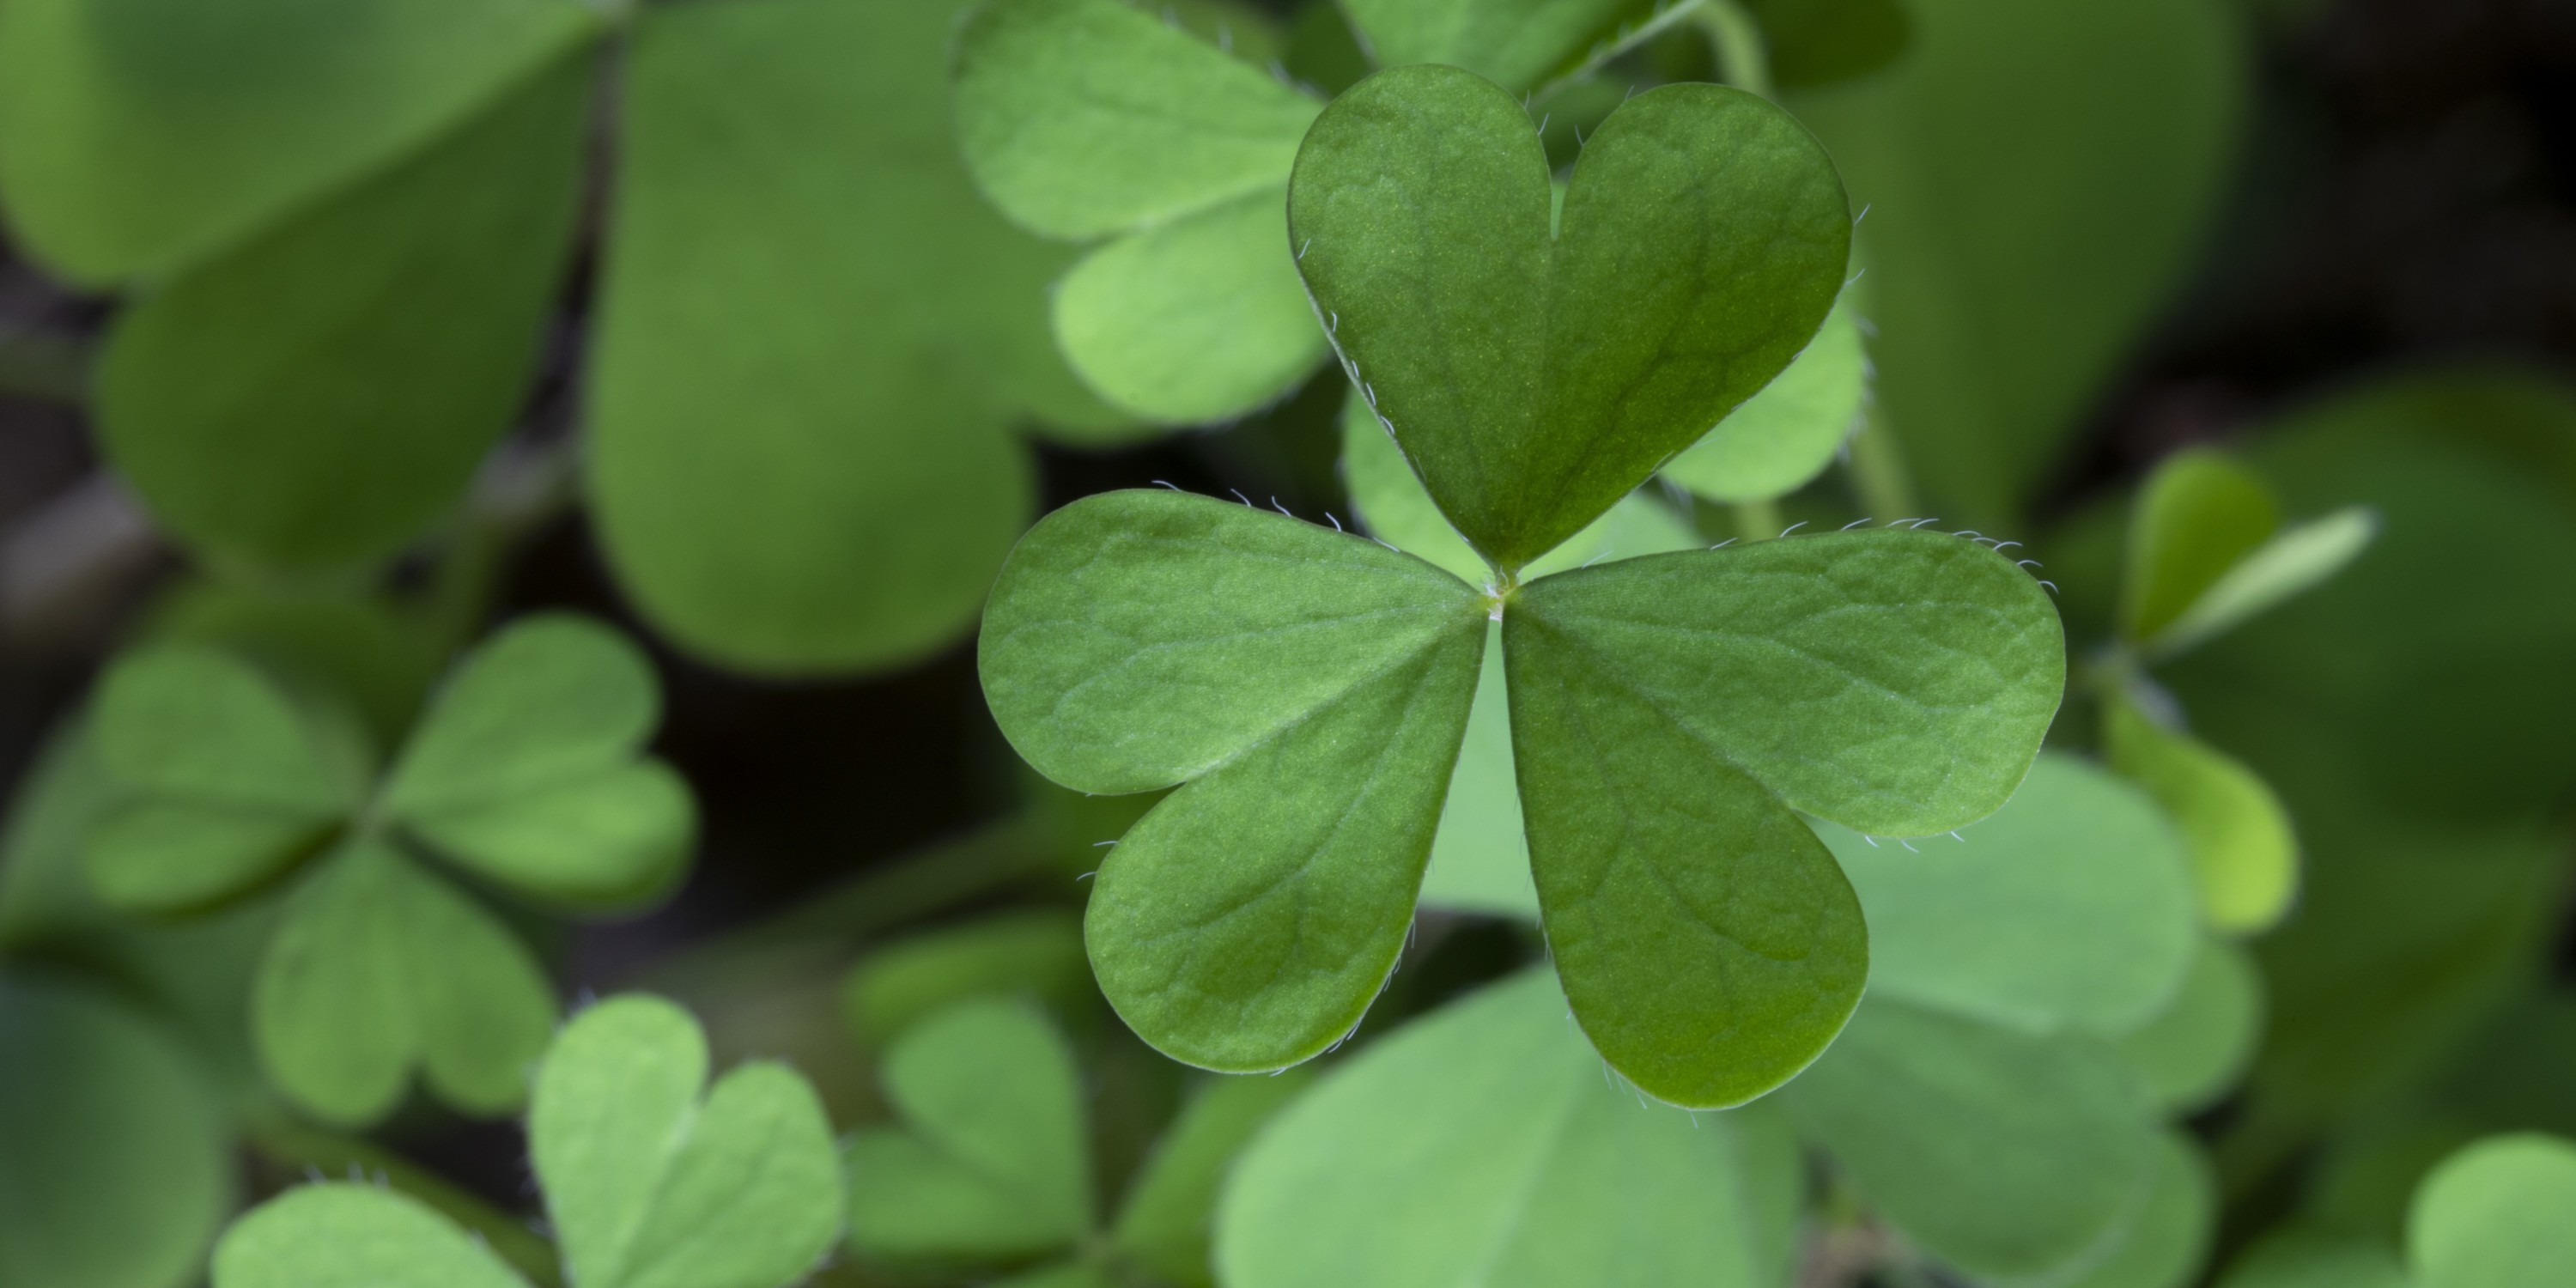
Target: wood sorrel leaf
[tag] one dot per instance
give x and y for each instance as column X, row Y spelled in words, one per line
column 1668, row 715
column 1309, row 687
column 654, row 1179
column 1534, row 376
column 2195, row 1049
column 228, row 396
column 989, row 1163
column 2164, row 1242
column 2197, row 515
column 1482, row 1145
column 2494, row 1215
column 380, row 966
column 2302, row 1258
column 2244, row 856
column 526, row 768
column 2002, row 1153
column 137, row 138
column 225, row 781
column 1167, row 1224
column 342, row 1233
column 1514, row 43
column 1034, row 952
column 2071, row 907
column 116, row 1172
column 1788, row 433
column 2295, row 560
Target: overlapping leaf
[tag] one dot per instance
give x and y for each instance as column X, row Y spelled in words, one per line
column 1778, row 439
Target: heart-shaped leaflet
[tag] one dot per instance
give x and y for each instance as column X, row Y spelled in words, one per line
column 1536, row 367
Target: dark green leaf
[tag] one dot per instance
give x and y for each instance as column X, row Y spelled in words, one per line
column 2495, row 1216
column 1168, row 1221
column 336, row 1235
column 989, row 1163
column 380, row 967
column 1310, row 688
column 654, row 1179
column 1818, row 42
column 270, row 408
column 1483, row 1145
column 140, row 136
column 1668, row 714
column 115, row 1174
column 2308, row 1259
column 1535, row 377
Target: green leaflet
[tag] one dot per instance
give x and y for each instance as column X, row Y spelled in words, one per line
column 1168, row 1223
column 2016, row 253
column 366, row 647
column 1139, row 639
column 1083, row 118
column 329, row 1235
column 863, row 330
column 2303, row 1259
column 989, row 1162
column 1780, row 438
column 2165, row 1242
column 270, row 410
column 2193, row 1051
column 2196, row 517
column 380, row 967
column 1036, row 952
column 2296, row 560
column 1482, row 1145
column 1515, row 43
column 2005, row 1154
column 654, row 1179
column 2070, row 908
column 115, row 1173
column 1445, row 317
column 526, row 770
column 137, row 139
column 2244, row 857
column 1668, row 714
column 2495, row 1216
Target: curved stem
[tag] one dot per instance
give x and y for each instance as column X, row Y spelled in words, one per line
column 1743, row 57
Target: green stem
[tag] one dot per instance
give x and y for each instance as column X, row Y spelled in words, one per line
column 296, row 1147
column 1743, row 58
column 1757, row 520
column 1878, row 474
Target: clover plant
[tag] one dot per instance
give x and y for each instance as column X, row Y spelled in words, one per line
column 524, row 772
column 651, row 1176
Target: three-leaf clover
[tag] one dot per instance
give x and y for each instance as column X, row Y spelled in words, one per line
column 524, row 772
column 988, row 1165
column 652, row 1179
column 1670, row 715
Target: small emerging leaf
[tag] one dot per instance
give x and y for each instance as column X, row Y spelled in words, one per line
column 2298, row 559
column 2198, row 515
column 2244, row 857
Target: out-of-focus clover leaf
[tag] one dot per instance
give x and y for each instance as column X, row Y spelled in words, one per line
column 114, row 1175
column 1034, row 953
column 2165, row 1242
column 2495, row 1216
column 1167, row 1225
column 2017, row 253
column 2315, row 1259
column 2207, row 551
column 652, row 1179
column 2244, row 856
column 2196, row 1048
column 1485, row 1136
column 1780, row 438
column 525, row 771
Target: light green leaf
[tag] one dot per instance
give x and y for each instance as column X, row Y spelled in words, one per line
column 379, row 967
column 1195, row 320
column 2017, row 252
column 1483, row 1145
column 2244, row 857
column 2196, row 517
column 361, row 646
column 2165, row 1242
column 862, row 328
column 989, row 1163
column 1167, row 1224
column 2297, row 560
column 2495, row 1216
column 336, row 1235
column 1310, row 687
column 224, row 783
column 1081, row 118
column 138, row 138
column 1515, row 43
column 2005, row 1154
column 1672, row 300
column 1788, row 433
column 1480, row 855
column 2308, row 1259
column 269, row 408
column 1668, row 714
column 526, row 770
column 2193, row 1051
column 115, row 1173
column 1033, row 952
column 653, row 1179
column 2071, row 907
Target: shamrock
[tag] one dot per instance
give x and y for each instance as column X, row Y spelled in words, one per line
column 792, row 250
column 652, row 1179
column 523, row 773
column 987, row 1164
column 1670, row 715
column 1978, row 1103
